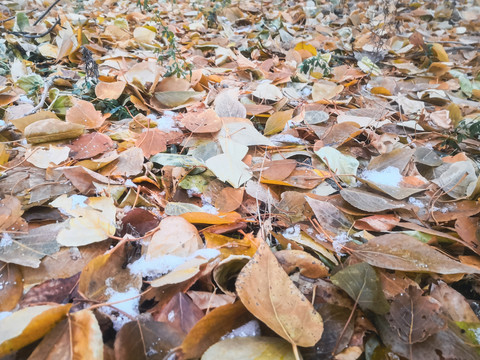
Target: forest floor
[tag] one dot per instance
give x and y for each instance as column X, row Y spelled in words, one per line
column 239, row 180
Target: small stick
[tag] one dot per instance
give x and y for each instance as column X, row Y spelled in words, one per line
column 46, row 12
column 36, row 36
column 46, row 87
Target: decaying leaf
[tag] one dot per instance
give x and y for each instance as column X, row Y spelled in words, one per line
column 261, row 348
column 363, row 285
column 405, row 253
column 28, row 325
column 268, row 293
column 415, row 317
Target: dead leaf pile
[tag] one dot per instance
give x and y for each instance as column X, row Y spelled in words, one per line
column 239, row 180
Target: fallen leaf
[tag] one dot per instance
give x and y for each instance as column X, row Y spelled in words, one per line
column 405, row 253
column 168, row 241
column 109, row 90
column 50, row 130
column 212, row 327
column 308, row 265
column 152, row 142
column 90, row 145
column 261, row 348
column 79, row 336
column 138, row 340
column 84, row 113
column 270, row 295
column 93, row 219
column 277, row 122
column 11, row 283
column 227, row 104
column 205, row 122
column 44, row 158
column 27, row 325
column 229, row 199
column 415, row 317
column 361, row 282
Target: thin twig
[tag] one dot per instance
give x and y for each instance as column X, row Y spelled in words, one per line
column 36, row 36
column 48, row 84
column 46, row 12
column 14, row 16
column 458, row 48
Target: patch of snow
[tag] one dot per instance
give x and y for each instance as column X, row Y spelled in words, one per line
column 165, row 123
column 280, row 139
column 130, row 183
column 4, row 314
column 207, row 206
column 193, row 191
column 154, row 268
column 416, row 202
column 251, row 328
column 130, row 307
column 78, row 201
column 6, row 240
column 389, row 176
column 339, row 241
column 75, row 254
column 151, row 352
column 292, row 233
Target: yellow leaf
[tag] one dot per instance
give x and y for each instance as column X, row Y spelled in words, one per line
column 87, row 338
column 230, row 246
column 3, row 154
column 268, row 293
column 277, row 121
column 206, row 218
column 28, row 325
column 380, row 90
column 306, row 47
column 439, row 52
column 455, row 113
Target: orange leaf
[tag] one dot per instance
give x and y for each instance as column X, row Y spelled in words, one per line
column 204, row 122
column 84, row 113
column 206, row 218
column 380, row 90
column 109, row 90
column 152, row 141
column 377, row 223
column 229, row 199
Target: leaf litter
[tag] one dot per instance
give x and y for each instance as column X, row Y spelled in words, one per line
column 221, row 179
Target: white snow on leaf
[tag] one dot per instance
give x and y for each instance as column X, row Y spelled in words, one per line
column 92, row 219
column 157, row 267
column 388, row 176
column 126, row 305
column 251, row 328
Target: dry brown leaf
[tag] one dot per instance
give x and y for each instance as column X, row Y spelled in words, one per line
column 229, row 199
column 175, row 236
column 90, row 145
column 84, row 113
column 278, row 170
column 415, row 317
column 152, row 141
column 212, row 327
column 110, row 90
column 270, row 295
column 308, row 265
column 377, row 223
column 49, row 130
column 205, row 122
